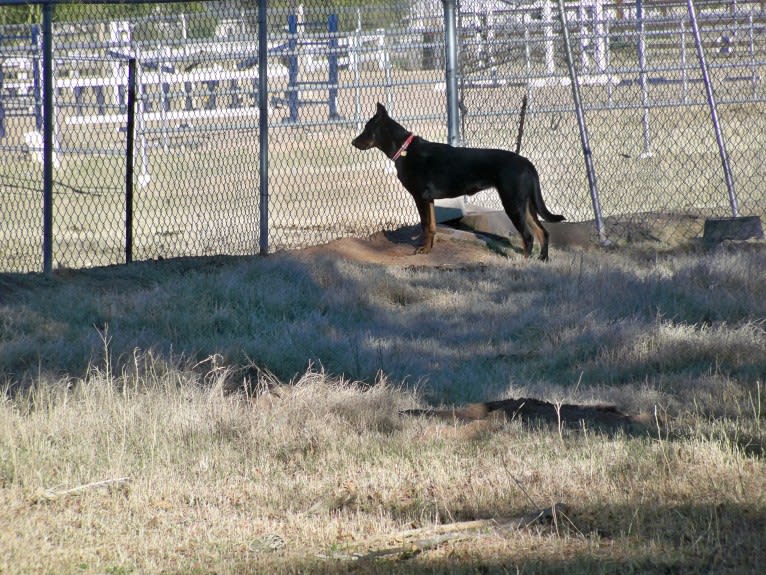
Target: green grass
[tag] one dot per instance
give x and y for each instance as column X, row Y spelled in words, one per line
column 254, row 405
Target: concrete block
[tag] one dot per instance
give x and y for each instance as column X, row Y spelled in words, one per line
column 743, row 228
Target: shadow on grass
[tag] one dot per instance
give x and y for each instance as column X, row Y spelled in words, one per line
column 695, row 538
column 460, row 335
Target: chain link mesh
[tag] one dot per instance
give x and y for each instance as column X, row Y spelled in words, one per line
column 195, row 169
column 651, row 135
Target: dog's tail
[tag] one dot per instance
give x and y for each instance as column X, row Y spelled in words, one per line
column 537, row 201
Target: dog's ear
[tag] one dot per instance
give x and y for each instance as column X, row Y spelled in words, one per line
column 382, row 110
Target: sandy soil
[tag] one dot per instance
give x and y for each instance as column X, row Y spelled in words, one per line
column 452, row 248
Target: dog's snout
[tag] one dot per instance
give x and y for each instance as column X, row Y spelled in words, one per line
column 361, row 143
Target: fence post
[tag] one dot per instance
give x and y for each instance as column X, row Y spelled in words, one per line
column 129, row 139
column 47, row 126
column 263, row 128
column 684, row 74
column 647, row 152
column 36, row 80
column 2, row 107
column 550, row 62
column 354, row 61
column 292, row 66
column 713, row 111
column 602, row 45
column 448, row 206
column 332, row 66
column 450, row 29
column 584, row 139
column 144, row 176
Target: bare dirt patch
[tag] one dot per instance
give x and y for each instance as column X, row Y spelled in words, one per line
column 452, row 249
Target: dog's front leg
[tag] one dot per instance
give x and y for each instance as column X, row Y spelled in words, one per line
column 427, row 224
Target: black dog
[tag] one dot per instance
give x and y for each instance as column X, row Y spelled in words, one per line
column 432, row 171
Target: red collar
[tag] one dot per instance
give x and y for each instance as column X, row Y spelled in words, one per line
column 403, row 150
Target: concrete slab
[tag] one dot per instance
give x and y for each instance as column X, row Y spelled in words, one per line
column 493, row 222
column 497, row 223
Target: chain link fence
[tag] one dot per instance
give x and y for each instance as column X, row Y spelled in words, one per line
column 652, row 138
column 190, row 184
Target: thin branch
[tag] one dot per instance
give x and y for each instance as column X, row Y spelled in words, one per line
column 413, row 541
column 120, row 481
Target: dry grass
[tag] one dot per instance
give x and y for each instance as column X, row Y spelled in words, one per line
column 190, row 378
column 279, row 482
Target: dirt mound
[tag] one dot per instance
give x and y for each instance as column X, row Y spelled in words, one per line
column 452, row 249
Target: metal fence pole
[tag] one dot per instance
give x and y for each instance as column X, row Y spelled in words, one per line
column 450, row 34
column 47, row 138
column 292, row 65
column 129, row 139
column 36, row 73
column 584, row 139
column 332, row 65
column 642, row 79
column 2, row 107
column 713, row 110
column 453, row 104
column 263, row 128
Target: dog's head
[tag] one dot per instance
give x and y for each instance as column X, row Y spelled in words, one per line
column 370, row 136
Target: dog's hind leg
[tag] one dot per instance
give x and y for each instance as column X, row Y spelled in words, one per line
column 533, row 222
column 520, row 224
column 517, row 215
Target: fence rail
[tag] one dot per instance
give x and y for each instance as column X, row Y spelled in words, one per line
column 201, row 127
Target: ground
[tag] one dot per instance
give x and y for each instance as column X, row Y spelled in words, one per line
column 452, row 248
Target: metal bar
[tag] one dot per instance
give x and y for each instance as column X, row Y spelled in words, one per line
column 584, row 139
column 713, row 110
column 144, row 177
column 292, row 65
column 2, row 106
column 36, row 80
column 47, row 138
column 647, row 152
column 332, row 66
column 129, row 139
column 450, row 32
column 263, row 128
column 354, row 61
